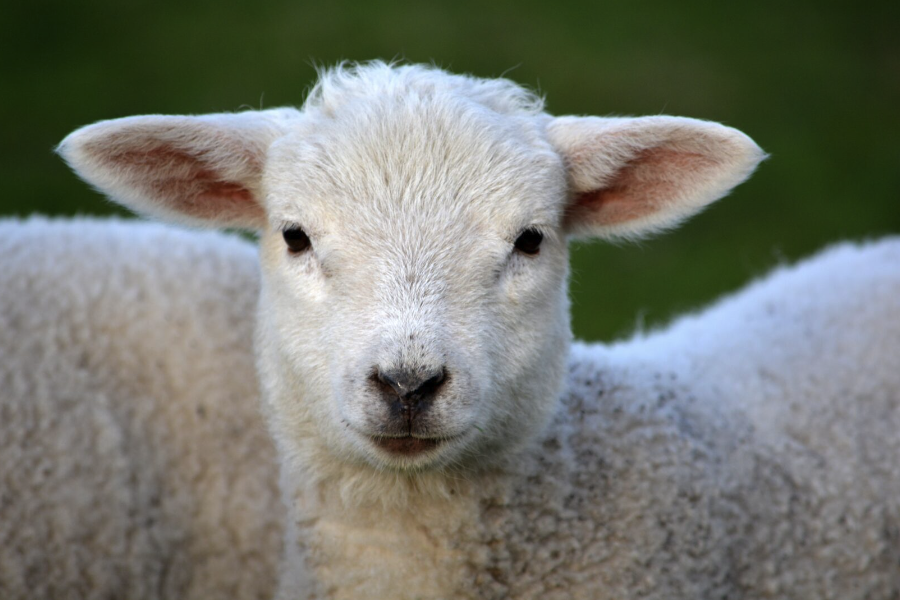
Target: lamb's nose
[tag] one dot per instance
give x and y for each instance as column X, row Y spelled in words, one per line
column 411, row 386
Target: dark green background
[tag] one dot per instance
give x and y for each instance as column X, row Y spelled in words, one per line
column 817, row 84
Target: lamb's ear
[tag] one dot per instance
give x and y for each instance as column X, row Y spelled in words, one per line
column 633, row 176
column 203, row 170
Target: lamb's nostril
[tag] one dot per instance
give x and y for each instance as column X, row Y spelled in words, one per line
column 410, row 384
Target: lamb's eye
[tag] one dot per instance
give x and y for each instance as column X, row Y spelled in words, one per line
column 529, row 241
column 296, row 239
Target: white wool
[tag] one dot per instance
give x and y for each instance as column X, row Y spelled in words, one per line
column 133, row 461
column 748, row 451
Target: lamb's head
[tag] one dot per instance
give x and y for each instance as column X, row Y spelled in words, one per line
column 413, row 228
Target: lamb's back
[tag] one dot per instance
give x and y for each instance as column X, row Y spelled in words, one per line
column 134, row 462
column 751, row 450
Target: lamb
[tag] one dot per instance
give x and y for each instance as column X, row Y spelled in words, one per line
column 438, row 435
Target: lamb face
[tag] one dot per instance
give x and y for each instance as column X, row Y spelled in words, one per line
column 413, row 242
column 436, row 338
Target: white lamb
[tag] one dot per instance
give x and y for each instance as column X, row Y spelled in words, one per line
column 437, row 438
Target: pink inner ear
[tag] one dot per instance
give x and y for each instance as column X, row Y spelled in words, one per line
column 645, row 185
column 185, row 183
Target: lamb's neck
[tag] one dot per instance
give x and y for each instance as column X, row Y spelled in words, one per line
column 384, row 535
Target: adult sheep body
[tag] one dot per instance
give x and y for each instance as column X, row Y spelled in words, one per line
column 437, row 435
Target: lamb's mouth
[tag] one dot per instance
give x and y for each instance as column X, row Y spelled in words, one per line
column 407, row 445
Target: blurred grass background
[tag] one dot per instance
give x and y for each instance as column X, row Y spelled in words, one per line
column 816, row 83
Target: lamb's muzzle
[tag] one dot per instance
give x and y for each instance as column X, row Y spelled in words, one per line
column 409, row 392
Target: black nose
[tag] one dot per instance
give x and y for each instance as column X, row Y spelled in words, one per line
column 412, row 390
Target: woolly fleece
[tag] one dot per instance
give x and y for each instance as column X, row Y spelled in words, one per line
column 133, row 461
column 749, row 451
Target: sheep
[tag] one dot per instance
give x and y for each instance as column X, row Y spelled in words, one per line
column 438, row 433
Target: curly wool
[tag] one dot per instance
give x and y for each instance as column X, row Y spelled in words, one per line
column 748, row 451
column 134, row 462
